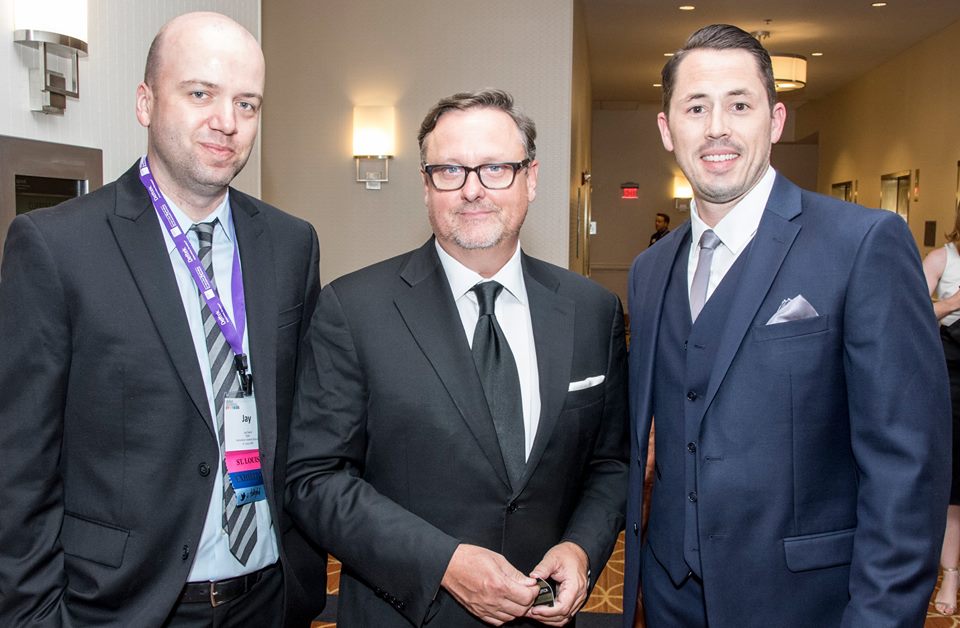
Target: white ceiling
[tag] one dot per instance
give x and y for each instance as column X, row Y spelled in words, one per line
column 627, row 38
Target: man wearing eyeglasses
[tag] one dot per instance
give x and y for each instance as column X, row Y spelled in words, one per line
column 460, row 427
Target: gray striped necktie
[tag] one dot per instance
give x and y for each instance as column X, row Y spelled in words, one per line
column 239, row 522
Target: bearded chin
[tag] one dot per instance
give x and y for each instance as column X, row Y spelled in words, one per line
column 719, row 195
column 475, row 241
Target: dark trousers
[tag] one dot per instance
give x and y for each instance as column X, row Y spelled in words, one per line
column 260, row 606
column 665, row 604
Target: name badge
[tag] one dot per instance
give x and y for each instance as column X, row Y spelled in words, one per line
column 241, row 441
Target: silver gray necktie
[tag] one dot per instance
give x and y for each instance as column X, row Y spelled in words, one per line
column 701, row 277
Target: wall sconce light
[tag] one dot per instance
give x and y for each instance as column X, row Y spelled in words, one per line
column 630, row 190
column 57, row 31
column 373, row 147
column 682, row 193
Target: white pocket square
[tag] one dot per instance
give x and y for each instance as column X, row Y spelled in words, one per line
column 794, row 309
column 590, row 382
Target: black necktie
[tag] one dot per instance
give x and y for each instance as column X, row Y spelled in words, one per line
column 501, row 383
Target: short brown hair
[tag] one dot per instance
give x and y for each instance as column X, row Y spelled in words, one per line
column 720, row 37
column 492, row 98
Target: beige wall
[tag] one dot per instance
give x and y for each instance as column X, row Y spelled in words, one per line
column 899, row 116
column 325, row 57
column 797, row 162
column 119, row 34
column 627, row 147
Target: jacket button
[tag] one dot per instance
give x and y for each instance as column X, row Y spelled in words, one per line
column 512, row 508
column 692, row 496
column 692, row 396
column 203, row 469
column 185, row 552
column 636, row 529
column 692, row 447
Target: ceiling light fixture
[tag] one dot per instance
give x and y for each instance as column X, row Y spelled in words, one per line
column 879, row 4
column 789, row 70
column 686, row 7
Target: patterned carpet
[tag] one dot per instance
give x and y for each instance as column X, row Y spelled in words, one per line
column 935, row 619
column 605, row 604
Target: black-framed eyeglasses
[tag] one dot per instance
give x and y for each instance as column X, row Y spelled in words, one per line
column 450, row 177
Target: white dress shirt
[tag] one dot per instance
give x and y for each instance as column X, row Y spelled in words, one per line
column 735, row 231
column 513, row 313
column 212, row 559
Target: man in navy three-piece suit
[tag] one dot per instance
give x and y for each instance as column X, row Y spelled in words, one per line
column 786, row 345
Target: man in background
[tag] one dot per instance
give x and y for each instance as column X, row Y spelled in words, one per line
column 662, row 225
column 460, row 428
column 786, row 345
column 144, row 419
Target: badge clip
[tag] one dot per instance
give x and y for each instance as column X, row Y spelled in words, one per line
column 246, row 380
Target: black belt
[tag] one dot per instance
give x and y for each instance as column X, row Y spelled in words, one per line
column 222, row 591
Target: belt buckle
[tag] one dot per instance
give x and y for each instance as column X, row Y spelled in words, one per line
column 214, row 602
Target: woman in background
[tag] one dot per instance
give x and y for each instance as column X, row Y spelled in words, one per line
column 942, row 270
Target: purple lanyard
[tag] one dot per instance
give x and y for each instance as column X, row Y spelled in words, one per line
column 232, row 333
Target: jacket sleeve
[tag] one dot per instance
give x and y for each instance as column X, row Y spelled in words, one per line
column 599, row 515
column 402, row 556
column 900, row 425
column 35, row 336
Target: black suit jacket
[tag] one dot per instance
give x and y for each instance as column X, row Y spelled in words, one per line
column 394, row 459
column 105, row 428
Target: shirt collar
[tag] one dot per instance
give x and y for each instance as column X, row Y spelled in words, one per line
column 221, row 213
column 462, row 279
column 738, row 227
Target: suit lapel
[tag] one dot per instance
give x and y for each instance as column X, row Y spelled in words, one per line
column 431, row 316
column 775, row 235
column 646, row 328
column 552, row 317
column 137, row 231
column 259, row 283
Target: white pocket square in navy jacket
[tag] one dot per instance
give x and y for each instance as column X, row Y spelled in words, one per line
column 794, row 309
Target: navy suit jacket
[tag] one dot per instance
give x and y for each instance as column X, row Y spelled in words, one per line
column 823, row 461
column 394, row 458
column 105, row 430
